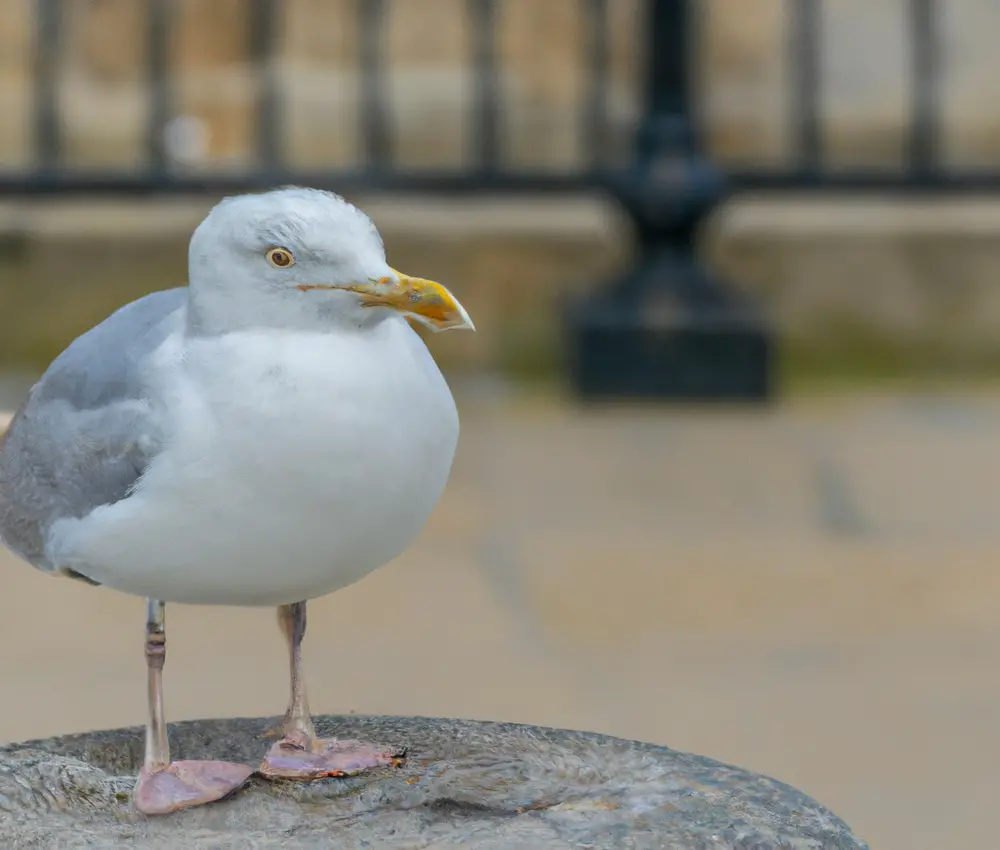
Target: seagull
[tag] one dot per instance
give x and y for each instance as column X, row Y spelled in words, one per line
column 266, row 435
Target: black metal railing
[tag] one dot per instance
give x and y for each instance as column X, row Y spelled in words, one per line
column 487, row 168
column 921, row 167
column 379, row 167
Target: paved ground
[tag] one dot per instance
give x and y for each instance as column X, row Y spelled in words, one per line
column 812, row 592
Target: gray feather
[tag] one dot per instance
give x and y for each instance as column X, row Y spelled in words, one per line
column 84, row 436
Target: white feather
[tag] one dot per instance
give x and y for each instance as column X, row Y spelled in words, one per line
column 293, row 464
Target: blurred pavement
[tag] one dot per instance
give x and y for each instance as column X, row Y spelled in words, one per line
column 811, row 591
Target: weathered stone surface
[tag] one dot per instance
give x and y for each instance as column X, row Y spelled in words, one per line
column 464, row 783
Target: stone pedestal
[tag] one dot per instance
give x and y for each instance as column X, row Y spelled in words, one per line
column 464, row 784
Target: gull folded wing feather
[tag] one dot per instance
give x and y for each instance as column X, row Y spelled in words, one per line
column 85, row 434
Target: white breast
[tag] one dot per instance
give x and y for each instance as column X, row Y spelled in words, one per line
column 292, row 465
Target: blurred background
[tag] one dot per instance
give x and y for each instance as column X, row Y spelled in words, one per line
column 729, row 475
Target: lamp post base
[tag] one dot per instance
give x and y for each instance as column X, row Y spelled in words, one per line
column 668, row 332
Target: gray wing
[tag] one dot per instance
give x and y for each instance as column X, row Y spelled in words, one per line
column 83, row 437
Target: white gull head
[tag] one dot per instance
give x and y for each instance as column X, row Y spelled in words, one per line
column 304, row 259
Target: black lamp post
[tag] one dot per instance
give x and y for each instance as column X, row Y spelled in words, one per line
column 668, row 329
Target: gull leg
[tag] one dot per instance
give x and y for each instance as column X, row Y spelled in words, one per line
column 297, row 719
column 166, row 786
column 300, row 754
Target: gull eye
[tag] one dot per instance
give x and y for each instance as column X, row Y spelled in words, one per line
column 280, row 258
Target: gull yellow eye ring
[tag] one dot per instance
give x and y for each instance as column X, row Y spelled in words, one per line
column 280, row 258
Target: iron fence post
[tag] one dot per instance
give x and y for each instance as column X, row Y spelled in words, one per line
column 668, row 328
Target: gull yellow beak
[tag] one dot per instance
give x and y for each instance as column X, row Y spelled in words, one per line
column 423, row 300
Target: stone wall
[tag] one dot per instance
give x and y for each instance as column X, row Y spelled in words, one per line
column 863, row 285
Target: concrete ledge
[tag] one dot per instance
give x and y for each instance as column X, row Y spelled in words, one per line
column 910, row 279
column 105, row 218
column 846, row 279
